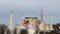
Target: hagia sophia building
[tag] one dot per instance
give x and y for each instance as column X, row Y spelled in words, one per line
column 30, row 25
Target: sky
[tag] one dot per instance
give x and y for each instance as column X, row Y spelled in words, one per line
column 27, row 7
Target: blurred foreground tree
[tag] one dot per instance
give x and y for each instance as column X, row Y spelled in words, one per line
column 2, row 28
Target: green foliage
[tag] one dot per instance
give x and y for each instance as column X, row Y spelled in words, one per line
column 3, row 27
column 2, row 31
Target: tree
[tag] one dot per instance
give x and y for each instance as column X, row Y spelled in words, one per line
column 2, row 28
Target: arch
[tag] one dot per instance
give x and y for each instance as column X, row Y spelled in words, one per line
column 23, row 31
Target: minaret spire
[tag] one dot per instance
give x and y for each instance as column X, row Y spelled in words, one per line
column 11, row 15
column 41, row 15
column 42, row 20
column 51, row 22
column 11, row 25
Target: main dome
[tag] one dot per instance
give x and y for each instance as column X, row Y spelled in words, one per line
column 30, row 16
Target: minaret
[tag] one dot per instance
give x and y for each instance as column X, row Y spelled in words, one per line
column 41, row 15
column 11, row 26
column 51, row 22
column 42, row 20
column 11, row 15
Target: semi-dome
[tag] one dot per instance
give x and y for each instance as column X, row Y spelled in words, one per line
column 22, row 27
